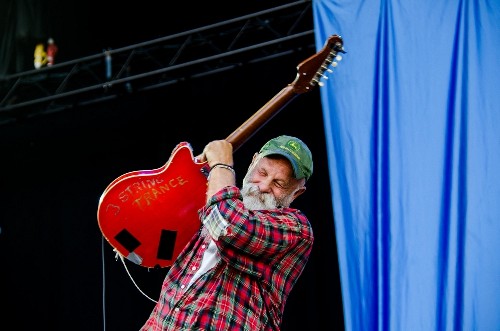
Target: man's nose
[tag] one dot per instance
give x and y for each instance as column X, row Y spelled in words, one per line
column 265, row 186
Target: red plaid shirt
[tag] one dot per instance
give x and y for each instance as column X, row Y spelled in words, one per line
column 262, row 255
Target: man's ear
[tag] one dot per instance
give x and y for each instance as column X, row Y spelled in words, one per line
column 299, row 192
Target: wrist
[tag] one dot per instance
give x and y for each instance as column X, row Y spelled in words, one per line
column 223, row 166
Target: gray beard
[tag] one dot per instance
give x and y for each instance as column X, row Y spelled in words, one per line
column 257, row 201
column 253, row 199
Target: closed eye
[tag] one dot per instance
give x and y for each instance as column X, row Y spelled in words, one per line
column 282, row 185
column 278, row 183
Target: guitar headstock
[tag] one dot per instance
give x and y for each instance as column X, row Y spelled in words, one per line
column 312, row 70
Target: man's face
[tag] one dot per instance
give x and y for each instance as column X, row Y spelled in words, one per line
column 269, row 184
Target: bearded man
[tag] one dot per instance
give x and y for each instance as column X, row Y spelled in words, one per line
column 237, row 272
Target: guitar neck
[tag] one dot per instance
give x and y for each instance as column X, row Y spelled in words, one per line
column 309, row 73
column 261, row 117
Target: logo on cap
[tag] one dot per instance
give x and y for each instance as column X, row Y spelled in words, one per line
column 295, row 151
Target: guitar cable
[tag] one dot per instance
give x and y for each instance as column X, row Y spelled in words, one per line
column 103, row 287
column 117, row 255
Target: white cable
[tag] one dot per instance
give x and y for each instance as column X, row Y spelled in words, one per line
column 126, row 269
column 103, row 287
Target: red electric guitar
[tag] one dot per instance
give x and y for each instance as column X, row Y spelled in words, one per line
column 148, row 216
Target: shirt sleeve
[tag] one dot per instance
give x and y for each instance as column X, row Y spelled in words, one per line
column 215, row 224
column 253, row 240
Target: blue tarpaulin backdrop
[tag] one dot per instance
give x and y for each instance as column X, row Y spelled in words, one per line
column 412, row 120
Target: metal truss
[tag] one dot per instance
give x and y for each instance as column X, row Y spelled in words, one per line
column 157, row 63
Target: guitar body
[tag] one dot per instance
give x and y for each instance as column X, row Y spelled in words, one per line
column 148, row 216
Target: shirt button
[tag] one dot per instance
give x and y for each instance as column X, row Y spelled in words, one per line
column 202, row 246
column 193, row 268
column 182, row 286
column 176, row 310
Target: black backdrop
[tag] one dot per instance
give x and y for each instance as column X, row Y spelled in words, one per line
column 57, row 271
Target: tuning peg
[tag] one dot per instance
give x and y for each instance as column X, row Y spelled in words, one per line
column 325, row 68
column 338, row 57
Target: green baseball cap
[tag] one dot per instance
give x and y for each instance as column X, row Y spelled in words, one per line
column 295, row 150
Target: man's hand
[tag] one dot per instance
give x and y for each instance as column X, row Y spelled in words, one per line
column 218, row 151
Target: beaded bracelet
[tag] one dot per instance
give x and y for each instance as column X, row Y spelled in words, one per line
column 225, row 166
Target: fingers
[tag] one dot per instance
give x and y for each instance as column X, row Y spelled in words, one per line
column 218, row 151
column 200, row 158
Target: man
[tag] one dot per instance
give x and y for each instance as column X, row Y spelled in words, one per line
column 236, row 273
